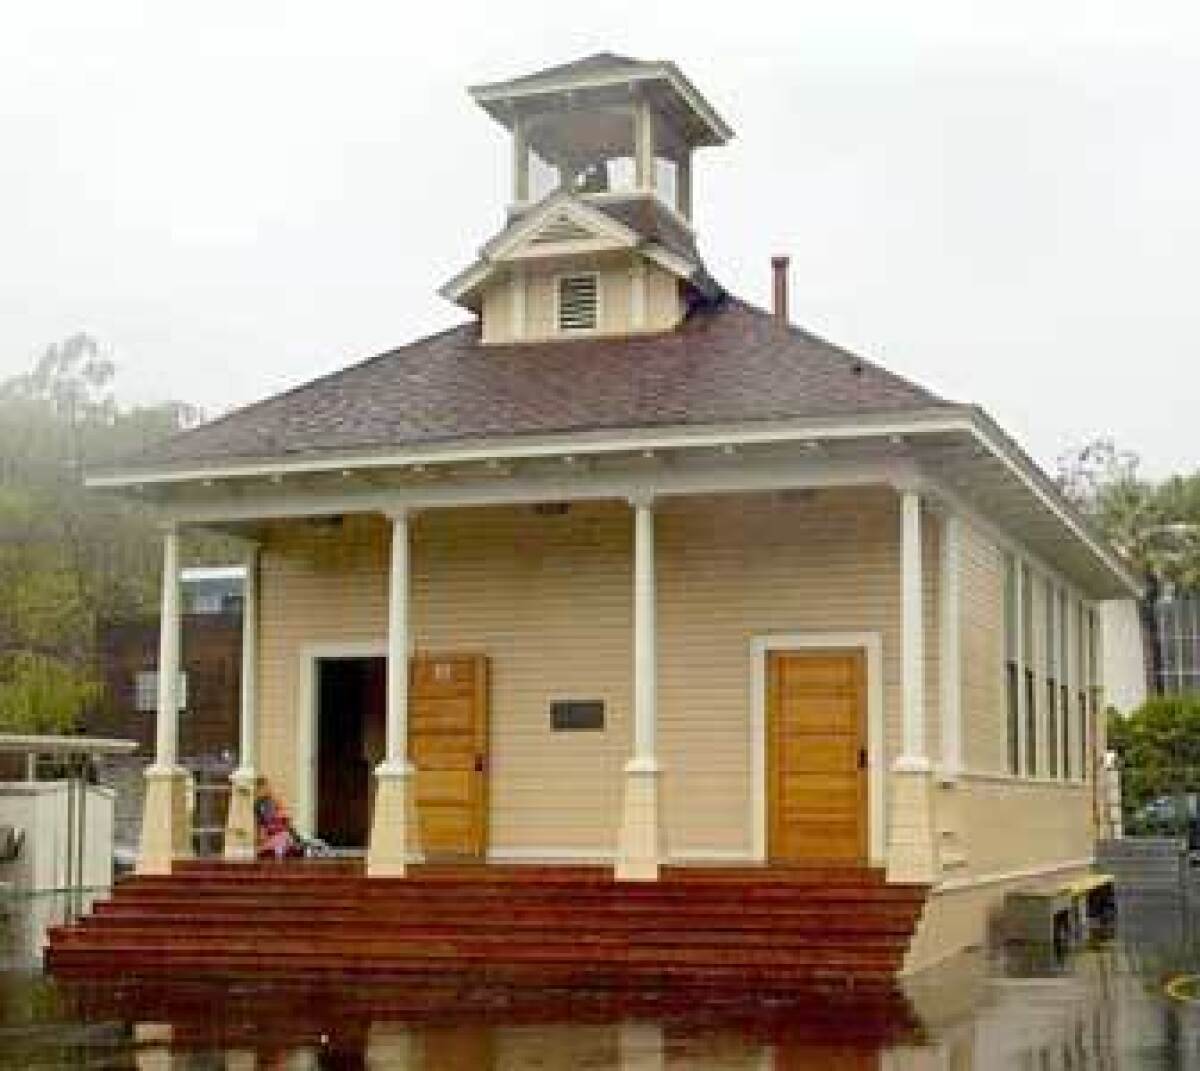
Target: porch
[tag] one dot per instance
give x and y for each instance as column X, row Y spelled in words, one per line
column 700, row 679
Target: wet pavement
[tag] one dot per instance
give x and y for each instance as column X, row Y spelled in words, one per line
column 1098, row 1009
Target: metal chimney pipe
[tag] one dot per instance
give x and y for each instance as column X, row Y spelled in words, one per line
column 779, row 271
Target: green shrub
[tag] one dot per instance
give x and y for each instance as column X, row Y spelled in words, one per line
column 1159, row 749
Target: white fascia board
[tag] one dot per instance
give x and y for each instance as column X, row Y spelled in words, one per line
column 561, row 203
column 990, row 435
column 578, row 444
column 611, row 235
column 967, row 420
column 714, row 478
column 668, row 261
column 466, row 281
column 722, row 130
column 569, row 248
column 642, row 72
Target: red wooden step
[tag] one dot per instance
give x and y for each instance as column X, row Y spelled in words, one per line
column 824, row 928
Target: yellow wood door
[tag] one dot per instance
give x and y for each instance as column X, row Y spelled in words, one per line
column 447, row 740
column 816, row 756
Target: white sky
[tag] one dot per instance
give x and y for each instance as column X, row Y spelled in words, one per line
column 1001, row 201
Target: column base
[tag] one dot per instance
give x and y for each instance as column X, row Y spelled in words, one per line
column 166, row 824
column 394, row 833
column 911, row 853
column 240, row 825
column 639, row 844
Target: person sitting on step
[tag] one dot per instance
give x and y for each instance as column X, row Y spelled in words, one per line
column 276, row 838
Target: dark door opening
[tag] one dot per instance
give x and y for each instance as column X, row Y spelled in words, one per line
column 351, row 704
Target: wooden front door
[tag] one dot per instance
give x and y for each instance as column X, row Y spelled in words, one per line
column 816, row 756
column 447, row 741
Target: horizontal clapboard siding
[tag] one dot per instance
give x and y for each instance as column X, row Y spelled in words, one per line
column 985, row 745
column 548, row 600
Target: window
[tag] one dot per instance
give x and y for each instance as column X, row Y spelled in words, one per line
column 1011, row 683
column 1081, row 686
column 543, row 177
column 666, row 180
column 1064, row 670
column 145, row 691
column 1051, row 653
column 577, row 303
column 1031, row 733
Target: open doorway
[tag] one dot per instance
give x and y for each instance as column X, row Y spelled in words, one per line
column 351, row 712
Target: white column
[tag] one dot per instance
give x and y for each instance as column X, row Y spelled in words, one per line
column 639, row 851
column 248, row 743
column 645, row 638
column 520, row 146
column 394, row 831
column 166, row 744
column 637, row 292
column 950, row 653
column 643, row 133
column 912, row 638
column 166, row 832
column 912, row 856
column 685, row 185
column 517, row 289
column 239, row 824
column 396, row 745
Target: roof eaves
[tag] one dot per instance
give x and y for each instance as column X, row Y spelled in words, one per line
column 1005, row 448
column 633, row 71
column 516, row 447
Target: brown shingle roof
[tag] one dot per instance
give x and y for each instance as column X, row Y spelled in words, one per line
column 727, row 363
column 652, row 221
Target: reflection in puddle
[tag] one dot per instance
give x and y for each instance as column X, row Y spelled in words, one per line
column 1096, row 1013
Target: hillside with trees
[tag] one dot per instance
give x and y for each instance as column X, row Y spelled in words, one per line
column 71, row 560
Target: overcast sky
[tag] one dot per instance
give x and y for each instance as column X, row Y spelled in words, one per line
column 1001, row 201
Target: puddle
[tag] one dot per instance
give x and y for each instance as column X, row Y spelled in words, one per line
column 1092, row 1012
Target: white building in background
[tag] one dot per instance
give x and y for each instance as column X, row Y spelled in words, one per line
column 1175, row 667
column 1125, row 654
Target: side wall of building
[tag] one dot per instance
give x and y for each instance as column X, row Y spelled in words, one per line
column 998, row 830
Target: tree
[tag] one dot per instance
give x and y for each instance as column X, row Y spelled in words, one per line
column 70, row 561
column 41, row 694
column 1155, row 527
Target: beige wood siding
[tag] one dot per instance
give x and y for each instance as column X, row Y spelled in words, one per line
column 1004, row 823
column 548, row 599
column 663, row 308
column 985, row 744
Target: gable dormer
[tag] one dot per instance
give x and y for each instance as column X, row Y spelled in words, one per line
column 599, row 237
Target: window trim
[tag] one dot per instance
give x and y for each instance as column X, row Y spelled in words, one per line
column 1063, row 660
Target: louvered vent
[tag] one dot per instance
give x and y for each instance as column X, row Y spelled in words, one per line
column 577, row 303
column 560, row 229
